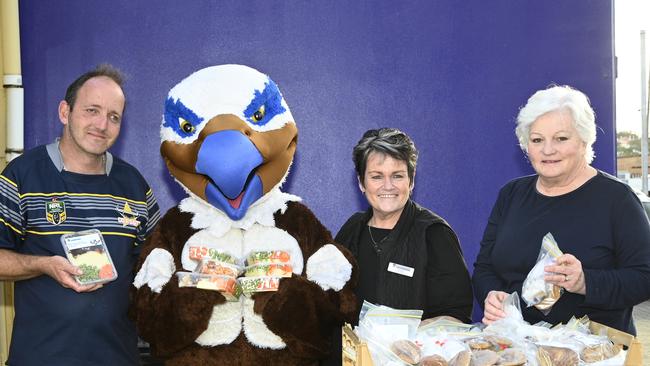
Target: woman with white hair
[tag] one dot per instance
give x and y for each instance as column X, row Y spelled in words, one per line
column 598, row 222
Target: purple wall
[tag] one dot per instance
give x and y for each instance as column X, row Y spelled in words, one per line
column 451, row 74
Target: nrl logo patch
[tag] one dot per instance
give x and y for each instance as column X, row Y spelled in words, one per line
column 128, row 216
column 55, row 211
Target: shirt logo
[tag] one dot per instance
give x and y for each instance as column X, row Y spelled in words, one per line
column 55, row 211
column 128, row 216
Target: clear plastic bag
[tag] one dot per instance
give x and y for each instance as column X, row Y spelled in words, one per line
column 536, row 291
column 381, row 327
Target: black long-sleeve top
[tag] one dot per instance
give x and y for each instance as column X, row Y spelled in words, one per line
column 602, row 223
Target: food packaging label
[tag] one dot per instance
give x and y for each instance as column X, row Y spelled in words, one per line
column 198, row 253
column 87, row 250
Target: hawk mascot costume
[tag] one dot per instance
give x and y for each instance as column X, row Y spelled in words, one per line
column 228, row 138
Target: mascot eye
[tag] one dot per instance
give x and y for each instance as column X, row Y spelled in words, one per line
column 187, row 127
column 258, row 115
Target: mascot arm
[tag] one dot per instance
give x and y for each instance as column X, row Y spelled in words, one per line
column 306, row 309
column 167, row 316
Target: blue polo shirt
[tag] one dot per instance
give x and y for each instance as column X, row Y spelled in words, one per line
column 55, row 325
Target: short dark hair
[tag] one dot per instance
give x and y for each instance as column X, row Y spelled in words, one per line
column 106, row 70
column 389, row 141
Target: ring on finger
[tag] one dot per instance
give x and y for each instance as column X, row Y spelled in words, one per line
column 566, row 278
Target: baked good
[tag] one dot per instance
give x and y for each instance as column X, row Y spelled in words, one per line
column 599, row 352
column 556, row 356
column 478, row 343
column 407, row 351
column 462, row 358
column 498, row 343
column 433, row 360
column 484, row 357
column 511, row 357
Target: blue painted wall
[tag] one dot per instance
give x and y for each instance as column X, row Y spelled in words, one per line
column 452, row 74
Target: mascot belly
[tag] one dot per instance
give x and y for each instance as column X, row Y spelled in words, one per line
column 228, row 138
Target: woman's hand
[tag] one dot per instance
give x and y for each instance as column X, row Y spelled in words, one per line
column 494, row 307
column 567, row 273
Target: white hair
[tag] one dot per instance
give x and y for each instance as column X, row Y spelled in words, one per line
column 559, row 98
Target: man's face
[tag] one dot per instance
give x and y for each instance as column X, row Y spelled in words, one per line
column 93, row 124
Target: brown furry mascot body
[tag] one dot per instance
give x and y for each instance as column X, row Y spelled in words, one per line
column 229, row 139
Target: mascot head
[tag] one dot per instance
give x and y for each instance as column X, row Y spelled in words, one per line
column 228, row 136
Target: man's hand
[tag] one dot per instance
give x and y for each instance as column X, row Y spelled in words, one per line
column 17, row 267
column 61, row 270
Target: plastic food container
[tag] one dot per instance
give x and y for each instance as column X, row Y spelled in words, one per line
column 87, row 250
column 251, row 285
column 267, row 257
column 269, row 270
column 226, row 285
column 215, row 267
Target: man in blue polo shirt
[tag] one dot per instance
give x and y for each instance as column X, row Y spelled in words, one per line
column 68, row 186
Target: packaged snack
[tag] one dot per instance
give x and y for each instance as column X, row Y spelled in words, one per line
column 87, row 250
column 268, row 256
column 433, row 360
column 556, row 356
column 511, row 357
column 536, row 291
column 251, row 285
column 214, row 267
column 484, row 357
column 226, row 285
column 600, row 352
column 462, row 358
column 407, row 351
column 269, row 270
column 197, row 253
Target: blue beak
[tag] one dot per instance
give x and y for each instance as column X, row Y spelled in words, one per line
column 229, row 159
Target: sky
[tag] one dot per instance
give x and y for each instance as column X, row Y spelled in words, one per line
column 630, row 17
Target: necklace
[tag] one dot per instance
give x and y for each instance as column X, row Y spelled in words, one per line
column 377, row 245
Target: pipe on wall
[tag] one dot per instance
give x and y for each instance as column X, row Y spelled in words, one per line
column 15, row 135
column 12, row 82
column 12, row 78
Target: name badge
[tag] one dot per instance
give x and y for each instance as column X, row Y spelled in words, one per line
column 400, row 269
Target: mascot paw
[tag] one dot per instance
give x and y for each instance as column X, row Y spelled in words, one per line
column 329, row 268
column 156, row 271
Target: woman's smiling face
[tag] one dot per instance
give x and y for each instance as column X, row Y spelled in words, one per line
column 386, row 184
column 555, row 148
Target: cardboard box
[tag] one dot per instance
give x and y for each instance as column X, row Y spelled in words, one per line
column 634, row 355
column 356, row 353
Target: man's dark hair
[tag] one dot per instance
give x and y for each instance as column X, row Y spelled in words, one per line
column 106, row 70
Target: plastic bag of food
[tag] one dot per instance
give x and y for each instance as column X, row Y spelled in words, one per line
column 535, row 290
column 389, row 324
column 389, row 333
column 555, row 356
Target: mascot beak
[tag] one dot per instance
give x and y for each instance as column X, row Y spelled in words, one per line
column 230, row 165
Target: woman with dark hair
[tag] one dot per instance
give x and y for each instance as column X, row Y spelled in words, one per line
column 409, row 257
